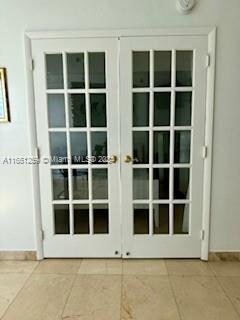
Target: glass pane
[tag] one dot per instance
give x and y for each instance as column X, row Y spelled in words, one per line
column 181, row 183
column 141, row 147
column 61, row 219
column 98, row 110
column 162, row 68
column 60, row 184
column 141, row 69
column 96, row 61
column 100, row 183
column 58, row 147
column 56, row 111
column 80, row 183
column 161, row 146
column 140, row 184
column 79, row 147
column 77, row 110
column 81, row 218
column 184, row 66
column 141, row 218
column 160, row 218
column 140, row 109
column 100, row 218
column 161, row 183
column 181, row 219
column 99, row 147
column 183, row 109
column 75, row 68
column 162, row 101
column 182, row 146
column 54, row 66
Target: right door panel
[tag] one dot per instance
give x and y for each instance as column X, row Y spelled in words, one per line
column 162, row 100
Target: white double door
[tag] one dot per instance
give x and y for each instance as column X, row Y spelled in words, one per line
column 120, row 127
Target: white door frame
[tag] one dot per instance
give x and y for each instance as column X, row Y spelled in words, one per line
column 209, row 32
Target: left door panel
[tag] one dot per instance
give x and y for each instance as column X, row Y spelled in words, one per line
column 76, row 105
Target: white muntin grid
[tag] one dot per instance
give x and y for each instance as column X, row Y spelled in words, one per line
column 171, row 129
column 88, row 130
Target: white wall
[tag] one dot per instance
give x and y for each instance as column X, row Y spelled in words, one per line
column 16, row 205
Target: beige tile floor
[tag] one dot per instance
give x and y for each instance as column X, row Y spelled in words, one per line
column 94, row 289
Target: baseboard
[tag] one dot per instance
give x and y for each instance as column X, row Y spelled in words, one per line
column 18, row 255
column 224, row 256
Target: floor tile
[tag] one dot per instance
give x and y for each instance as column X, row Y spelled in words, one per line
column 94, row 297
column 201, row 298
column 188, row 267
column 58, row 266
column 42, row 298
column 231, row 286
column 224, row 268
column 148, row 297
column 101, row 266
column 144, row 267
column 17, row 266
column 10, row 285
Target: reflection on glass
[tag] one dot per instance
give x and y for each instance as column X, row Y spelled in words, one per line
column 140, row 184
column 58, row 147
column 183, row 108
column 140, row 69
column 162, row 101
column 60, row 184
column 96, row 61
column 141, row 218
column 54, row 65
column 81, row 218
column 99, row 147
column 100, row 183
column 184, row 66
column 100, row 218
column 77, row 110
column 162, row 68
column 98, row 109
column 79, row 147
column 140, row 147
column 181, row 183
column 181, row 219
column 161, row 146
column 182, row 146
column 140, row 109
column 160, row 183
column 75, row 68
column 80, row 183
column 56, row 111
column 61, row 219
column 160, row 218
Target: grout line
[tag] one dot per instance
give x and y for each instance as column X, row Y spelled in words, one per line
column 68, row 296
column 121, row 297
column 227, row 296
column 175, row 298
column 172, row 290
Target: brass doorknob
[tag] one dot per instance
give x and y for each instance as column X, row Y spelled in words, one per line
column 127, row 159
column 113, row 159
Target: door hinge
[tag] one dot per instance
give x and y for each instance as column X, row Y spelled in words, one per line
column 204, row 152
column 207, row 60
column 202, row 234
column 32, row 64
column 42, row 234
column 38, row 154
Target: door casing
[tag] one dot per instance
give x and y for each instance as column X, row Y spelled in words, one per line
column 208, row 32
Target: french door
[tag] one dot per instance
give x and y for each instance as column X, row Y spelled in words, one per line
column 120, row 126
